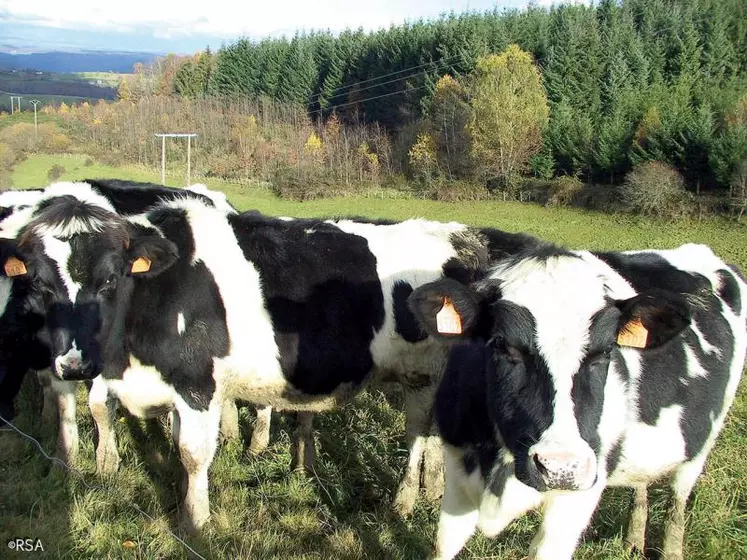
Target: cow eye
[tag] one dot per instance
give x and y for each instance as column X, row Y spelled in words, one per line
column 109, row 284
column 511, row 353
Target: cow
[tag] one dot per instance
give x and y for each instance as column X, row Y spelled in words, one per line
column 184, row 306
column 572, row 371
column 20, row 347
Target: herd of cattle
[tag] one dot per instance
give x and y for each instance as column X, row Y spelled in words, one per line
column 548, row 374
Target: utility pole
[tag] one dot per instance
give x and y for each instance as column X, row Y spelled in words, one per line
column 12, row 97
column 163, row 154
column 35, row 102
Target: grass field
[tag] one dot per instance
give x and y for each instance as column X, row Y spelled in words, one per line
column 262, row 510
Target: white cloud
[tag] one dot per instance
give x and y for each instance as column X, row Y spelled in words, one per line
column 228, row 18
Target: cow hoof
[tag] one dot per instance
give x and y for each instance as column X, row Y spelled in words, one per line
column 404, row 502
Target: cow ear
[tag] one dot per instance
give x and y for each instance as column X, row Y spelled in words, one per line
column 445, row 308
column 150, row 255
column 13, row 264
column 652, row 318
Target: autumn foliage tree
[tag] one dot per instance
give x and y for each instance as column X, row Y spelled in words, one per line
column 509, row 113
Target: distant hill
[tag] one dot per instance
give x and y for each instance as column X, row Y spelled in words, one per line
column 84, row 61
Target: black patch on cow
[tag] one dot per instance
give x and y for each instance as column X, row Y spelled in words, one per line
column 6, row 211
column 499, row 477
column 323, row 294
column 20, row 350
column 520, row 387
column 729, row 291
column 132, row 197
column 185, row 360
column 613, row 457
column 461, row 407
column 405, row 323
column 591, row 378
column 502, row 244
column 646, row 271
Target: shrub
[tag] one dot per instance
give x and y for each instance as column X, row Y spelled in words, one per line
column 7, row 156
column 565, row 191
column 656, row 189
column 452, row 190
column 88, row 162
column 55, row 172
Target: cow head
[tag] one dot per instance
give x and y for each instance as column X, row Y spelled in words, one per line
column 553, row 329
column 81, row 260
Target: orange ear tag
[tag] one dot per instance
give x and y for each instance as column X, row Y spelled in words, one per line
column 633, row 334
column 14, row 267
column 140, row 264
column 448, row 320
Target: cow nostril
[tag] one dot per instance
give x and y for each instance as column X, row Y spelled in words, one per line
column 540, row 467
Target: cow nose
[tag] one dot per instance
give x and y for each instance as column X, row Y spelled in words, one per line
column 563, row 470
column 72, row 366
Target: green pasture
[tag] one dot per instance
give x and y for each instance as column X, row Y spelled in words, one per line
column 263, row 510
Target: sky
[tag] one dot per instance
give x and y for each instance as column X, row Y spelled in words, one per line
column 186, row 26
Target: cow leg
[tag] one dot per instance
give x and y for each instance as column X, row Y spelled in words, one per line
column 505, row 501
column 682, row 485
column 418, row 403
column 433, row 466
column 102, row 409
column 635, row 540
column 67, row 442
column 261, row 433
column 49, row 406
column 197, row 434
column 229, row 421
column 566, row 517
column 459, row 508
column 304, row 452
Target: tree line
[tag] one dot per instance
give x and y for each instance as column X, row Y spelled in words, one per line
column 627, row 81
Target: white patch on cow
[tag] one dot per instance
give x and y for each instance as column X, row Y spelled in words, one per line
column 459, row 507
column 80, row 190
column 707, row 347
column 59, row 251
column 6, row 288
column 180, row 326
column 72, row 359
column 218, row 198
column 309, row 231
column 694, row 367
column 651, row 451
column 12, row 225
column 20, row 198
column 563, row 293
column 142, row 388
column 286, row 218
column 253, row 353
column 66, row 408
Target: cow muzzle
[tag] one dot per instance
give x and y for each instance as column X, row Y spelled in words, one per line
column 72, row 367
column 560, row 468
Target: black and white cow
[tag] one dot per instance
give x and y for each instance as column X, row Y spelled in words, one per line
column 20, row 347
column 184, row 306
column 579, row 371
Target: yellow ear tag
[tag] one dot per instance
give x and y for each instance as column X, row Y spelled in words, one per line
column 633, row 334
column 14, row 267
column 448, row 320
column 140, row 264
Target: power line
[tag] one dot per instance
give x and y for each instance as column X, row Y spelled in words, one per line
column 421, row 73
column 368, row 99
column 436, row 62
column 92, row 487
